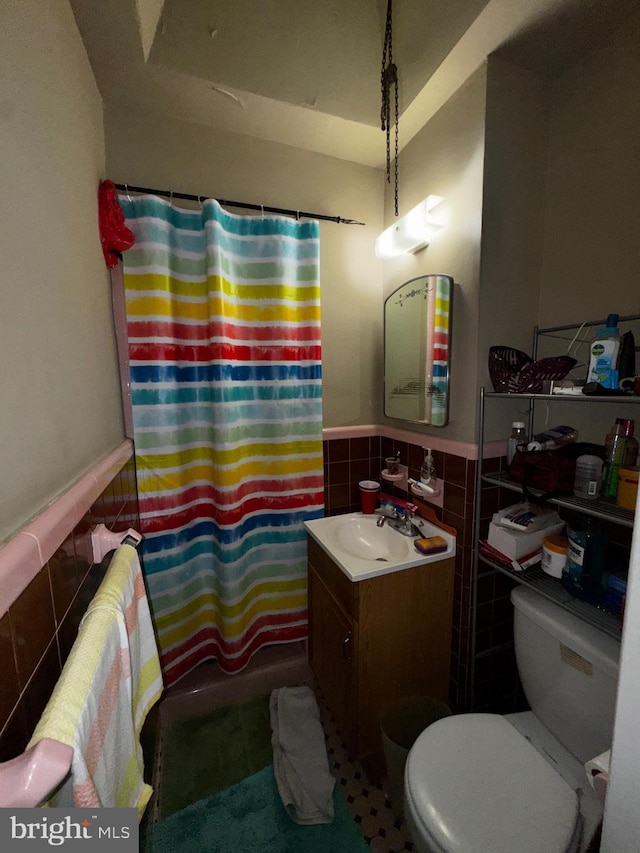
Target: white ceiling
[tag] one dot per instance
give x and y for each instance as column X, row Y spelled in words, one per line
column 307, row 72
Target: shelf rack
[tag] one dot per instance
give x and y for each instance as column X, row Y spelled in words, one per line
column 605, row 510
column 599, row 508
column 535, row 578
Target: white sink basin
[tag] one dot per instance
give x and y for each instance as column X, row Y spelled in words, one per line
column 363, row 550
column 361, row 537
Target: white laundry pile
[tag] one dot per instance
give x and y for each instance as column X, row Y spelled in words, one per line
column 301, row 767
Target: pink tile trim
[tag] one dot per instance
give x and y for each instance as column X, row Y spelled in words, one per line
column 105, row 471
column 467, row 450
column 53, row 526
column 359, row 431
column 23, row 556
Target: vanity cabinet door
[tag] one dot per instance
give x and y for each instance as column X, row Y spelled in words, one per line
column 376, row 640
column 332, row 654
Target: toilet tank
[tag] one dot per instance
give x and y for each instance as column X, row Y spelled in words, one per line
column 569, row 672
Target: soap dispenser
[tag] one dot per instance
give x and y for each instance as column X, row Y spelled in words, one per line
column 428, row 474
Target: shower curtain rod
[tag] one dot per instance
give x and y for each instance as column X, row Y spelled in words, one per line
column 263, row 208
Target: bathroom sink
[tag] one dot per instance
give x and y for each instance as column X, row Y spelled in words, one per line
column 363, row 550
column 361, row 537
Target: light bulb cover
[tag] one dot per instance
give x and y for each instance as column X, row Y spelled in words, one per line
column 413, row 231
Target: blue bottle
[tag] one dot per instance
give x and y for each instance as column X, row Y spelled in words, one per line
column 582, row 575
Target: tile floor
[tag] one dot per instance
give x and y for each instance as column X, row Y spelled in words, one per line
column 370, row 805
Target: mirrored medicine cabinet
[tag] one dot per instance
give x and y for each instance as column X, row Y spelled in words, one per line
column 417, row 328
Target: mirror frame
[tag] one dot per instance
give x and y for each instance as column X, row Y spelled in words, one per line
column 428, row 388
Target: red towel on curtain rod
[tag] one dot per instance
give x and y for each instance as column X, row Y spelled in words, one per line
column 114, row 234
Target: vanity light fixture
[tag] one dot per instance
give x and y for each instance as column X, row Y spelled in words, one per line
column 413, row 231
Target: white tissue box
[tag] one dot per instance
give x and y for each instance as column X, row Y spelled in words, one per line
column 515, row 544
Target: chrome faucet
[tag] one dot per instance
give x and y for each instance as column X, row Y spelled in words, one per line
column 404, row 524
column 400, row 520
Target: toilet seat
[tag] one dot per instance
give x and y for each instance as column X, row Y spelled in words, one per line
column 474, row 783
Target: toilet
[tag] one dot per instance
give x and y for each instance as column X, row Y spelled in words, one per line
column 484, row 783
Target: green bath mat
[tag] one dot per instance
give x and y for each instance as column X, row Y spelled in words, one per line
column 249, row 818
column 205, row 754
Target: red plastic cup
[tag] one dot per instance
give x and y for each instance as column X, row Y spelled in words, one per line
column 368, row 496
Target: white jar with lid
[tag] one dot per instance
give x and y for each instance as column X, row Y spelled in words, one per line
column 588, row 478
column 554, row 555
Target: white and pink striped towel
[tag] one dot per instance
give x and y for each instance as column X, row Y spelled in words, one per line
column 109, row 683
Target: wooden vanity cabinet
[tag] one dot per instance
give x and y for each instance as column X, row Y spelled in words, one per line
column 377, row 640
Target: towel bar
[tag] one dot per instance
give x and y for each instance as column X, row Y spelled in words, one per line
column 30, row 778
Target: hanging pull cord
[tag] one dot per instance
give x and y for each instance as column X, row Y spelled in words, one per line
column 389, row 78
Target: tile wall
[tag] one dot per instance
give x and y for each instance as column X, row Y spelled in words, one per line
column 495, row 685
column 38, row 630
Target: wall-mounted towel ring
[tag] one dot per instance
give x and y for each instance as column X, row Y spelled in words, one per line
column 103, row 540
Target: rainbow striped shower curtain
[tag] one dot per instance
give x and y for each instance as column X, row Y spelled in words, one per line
column 223, row 315
column 437, row 367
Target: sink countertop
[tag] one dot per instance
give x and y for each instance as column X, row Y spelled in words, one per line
column 326, row 532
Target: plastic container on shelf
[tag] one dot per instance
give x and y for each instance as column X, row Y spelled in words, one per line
column 588, row 479
column 627, row 487
column 553, row 438
column 554, row 555
column 517, row 440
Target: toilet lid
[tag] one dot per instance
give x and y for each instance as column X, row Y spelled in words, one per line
column 473, row 782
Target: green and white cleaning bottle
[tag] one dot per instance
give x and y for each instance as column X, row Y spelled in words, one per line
column 603, row 363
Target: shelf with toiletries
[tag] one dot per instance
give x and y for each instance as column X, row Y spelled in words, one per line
column 606, row 510
column 598, row 508
column 620, row 399
column 593, row 511
column 534, row 577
